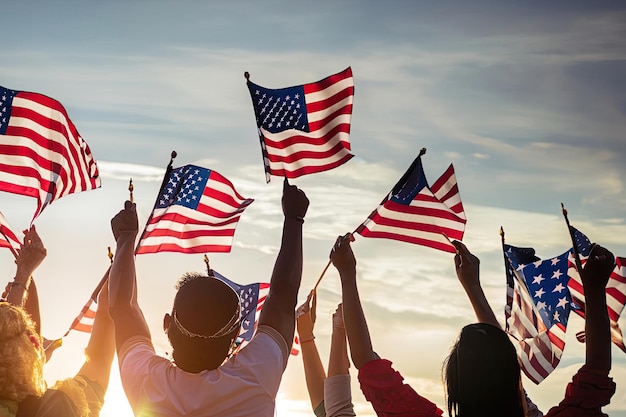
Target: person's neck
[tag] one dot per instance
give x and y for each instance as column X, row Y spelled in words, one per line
column 196, row 366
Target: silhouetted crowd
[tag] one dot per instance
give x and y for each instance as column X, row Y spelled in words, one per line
column 205, row 377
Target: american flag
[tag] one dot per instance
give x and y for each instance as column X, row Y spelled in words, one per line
column 538, row 307
column 615, row 288
column 42, row 155
column 196, row 211
column 252, row 298
column 304, row 129
column 84, row 320
column 416, row 213
column 8, row 239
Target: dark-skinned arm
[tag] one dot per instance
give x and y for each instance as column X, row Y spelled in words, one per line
column 357, row 331
column 280, row 307
column 595, row 276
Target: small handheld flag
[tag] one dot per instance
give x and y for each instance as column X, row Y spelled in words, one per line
column 306, row 128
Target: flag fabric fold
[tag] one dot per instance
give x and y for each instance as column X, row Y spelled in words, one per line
column 252, row 298
column 304, row 129
column 537, row 310
column 417, row 213
column 615, row 287
column 42, row 155
column 8, row 239
column 196, row 212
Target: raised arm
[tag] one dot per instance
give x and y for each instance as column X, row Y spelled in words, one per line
column 279, row 308
column 314, row 373
column 123, row 307
column 101, row 347
column 337, row 393
column 467, row 268
column 357, row 331
column 595, row 276
column 32, row 253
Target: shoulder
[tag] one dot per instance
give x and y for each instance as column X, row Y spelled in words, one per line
column 52, row 404
column 267, row 343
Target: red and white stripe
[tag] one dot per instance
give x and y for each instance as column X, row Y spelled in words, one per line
column 539, row 349
column 615, row 295
column 42, row 155
column 210, row 228
column 293, row 153
column 8, row 239
column 433, row 213
column 84, row 321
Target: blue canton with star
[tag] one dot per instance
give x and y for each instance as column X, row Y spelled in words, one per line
column 411, row 183
column 280, row 109
column 249, row 299
column 547, row 283
column 6, row 104
column 184, row 187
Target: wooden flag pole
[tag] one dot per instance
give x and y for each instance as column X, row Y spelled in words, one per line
column 571, row 235
column 130, row 189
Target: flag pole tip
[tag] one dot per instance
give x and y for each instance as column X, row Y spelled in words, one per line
column 174, row 154
column 247, row 75
column 422, row 152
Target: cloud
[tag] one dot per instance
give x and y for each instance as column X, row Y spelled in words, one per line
column 124, row 171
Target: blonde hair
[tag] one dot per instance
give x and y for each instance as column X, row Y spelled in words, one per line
column 21, row 363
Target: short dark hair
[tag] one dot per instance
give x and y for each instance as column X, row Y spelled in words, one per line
column 482, row 374
column 203, row 305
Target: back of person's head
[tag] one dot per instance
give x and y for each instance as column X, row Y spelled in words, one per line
column 482, row 374
column 204, row 322
column 21, row 362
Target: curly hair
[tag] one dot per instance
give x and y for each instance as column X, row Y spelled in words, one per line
column 21, row 363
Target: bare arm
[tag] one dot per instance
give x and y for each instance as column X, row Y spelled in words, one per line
column 356, row 326
column 467, row 270
column 338, row 361
column 595, row 276
column 32, row 253
column 123, row 307
column 101, row 347
column 279, row 308
column 31, row 305
column 314, row 373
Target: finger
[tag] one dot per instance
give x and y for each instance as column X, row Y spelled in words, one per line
column 128, row 205
column 461, row 248
column 458, row 261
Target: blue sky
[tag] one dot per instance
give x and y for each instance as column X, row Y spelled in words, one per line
column 525, row 98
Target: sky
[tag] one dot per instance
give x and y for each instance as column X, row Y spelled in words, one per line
column 525, row 98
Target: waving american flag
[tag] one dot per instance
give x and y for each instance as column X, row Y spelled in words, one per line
column 42, row 155
column 306, row 128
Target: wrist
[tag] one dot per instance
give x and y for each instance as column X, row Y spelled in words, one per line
column 294, row 219
column 304, row 340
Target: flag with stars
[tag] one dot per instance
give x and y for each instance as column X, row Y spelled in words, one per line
column 615, row 287
column 196, row 212
column 42, row 155
column 252, row 297
column 417, row 213
column 537, row 309
column 306, row 128
column 8, row 239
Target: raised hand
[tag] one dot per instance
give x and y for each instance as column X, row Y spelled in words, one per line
column 125, row 221
column 467, row 265
column 342, row 256
column 295, row 203
column 598, row 269
column 32, row 252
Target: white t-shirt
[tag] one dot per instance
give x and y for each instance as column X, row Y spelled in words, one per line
column 246, row 385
